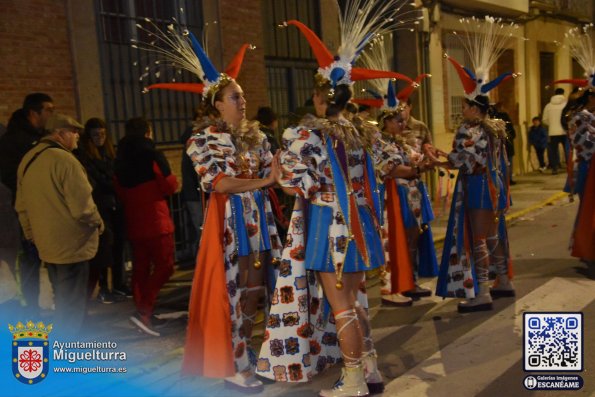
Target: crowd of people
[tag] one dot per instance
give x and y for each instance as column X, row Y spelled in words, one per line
column 360, row 205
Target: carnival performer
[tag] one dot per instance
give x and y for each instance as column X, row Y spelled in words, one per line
column 582, row 139
column 233, row 159
column 327, row 163
column 476, row 236
column 409, row 245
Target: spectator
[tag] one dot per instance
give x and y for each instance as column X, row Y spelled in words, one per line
column 191, row 194
column 552, row 113
column 538, row 139
column 57, row 213
column 25, row 128
column 9, row 242
column 269, row 122
column 143, row 181
column 96, row 153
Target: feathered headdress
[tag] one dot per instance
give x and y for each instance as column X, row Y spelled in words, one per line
column 182, row 50
column 484, row 40
column 361, row 21
column 383, row 90
column 580, row 44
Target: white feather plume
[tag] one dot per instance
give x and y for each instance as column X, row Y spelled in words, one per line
column 365, row 19
column 375, row 57
column 580, row 43
column 485, row 40
column 172, row 47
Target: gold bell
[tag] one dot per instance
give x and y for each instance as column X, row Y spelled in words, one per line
column 257, row 264
column 276, row 261
column 426, row 227
column 339, row 285
column 421, row 230
column 496, row 219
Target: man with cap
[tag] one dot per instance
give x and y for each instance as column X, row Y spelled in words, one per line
column 57, row 213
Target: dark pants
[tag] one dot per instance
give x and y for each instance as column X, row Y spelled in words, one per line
column 553, row 154
column 102, row 260
column 69, row 282
column 195, row 215
column 152, row 266
column 540, row 152
column 29, row 266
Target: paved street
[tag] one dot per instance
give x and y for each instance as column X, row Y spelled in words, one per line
column 427, row 349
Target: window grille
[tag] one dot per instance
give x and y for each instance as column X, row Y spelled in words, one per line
column 122, row 65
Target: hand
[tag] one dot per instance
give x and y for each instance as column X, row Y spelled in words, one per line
column 276, row 171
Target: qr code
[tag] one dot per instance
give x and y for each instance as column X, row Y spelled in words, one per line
column 553, row 341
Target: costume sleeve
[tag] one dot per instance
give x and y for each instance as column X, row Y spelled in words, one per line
column 212, row 155
column 387, row 156
column 266, row 158
column 302, row 160
column 582, row 135
column 469, row 149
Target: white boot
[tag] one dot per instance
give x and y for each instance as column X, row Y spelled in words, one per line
column 371, row 373
column 351, row 384
column 482, row 302
column 245, row 383
column 502, row 288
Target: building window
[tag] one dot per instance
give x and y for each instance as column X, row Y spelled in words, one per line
column 289, row 61
column 122, row 66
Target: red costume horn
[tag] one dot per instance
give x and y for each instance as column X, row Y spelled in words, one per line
column 233, row 68
column 577, row 82
column 196, row 88
column 468, row 83
column 406, row 92
column 322, row 54
column 374, row 103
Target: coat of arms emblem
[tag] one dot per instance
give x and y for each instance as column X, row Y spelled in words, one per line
column 30, row 351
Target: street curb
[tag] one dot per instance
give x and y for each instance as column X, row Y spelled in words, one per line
column 518, row 214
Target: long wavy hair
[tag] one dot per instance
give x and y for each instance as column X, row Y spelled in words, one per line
column 86, row 142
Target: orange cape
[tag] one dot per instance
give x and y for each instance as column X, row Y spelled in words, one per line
column 208, row 351
column 401, row 272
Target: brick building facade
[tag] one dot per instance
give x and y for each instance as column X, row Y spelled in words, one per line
column 36, row 54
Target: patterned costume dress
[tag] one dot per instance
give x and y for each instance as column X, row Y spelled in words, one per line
column 236, row 225
column 479, row 154
column 300, row 337
column 415, row 210
column 582, row 138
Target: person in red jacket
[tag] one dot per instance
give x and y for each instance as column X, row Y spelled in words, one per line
column 143, row 181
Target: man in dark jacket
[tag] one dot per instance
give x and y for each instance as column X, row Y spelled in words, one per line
column 25, row 128
column 143, row 181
